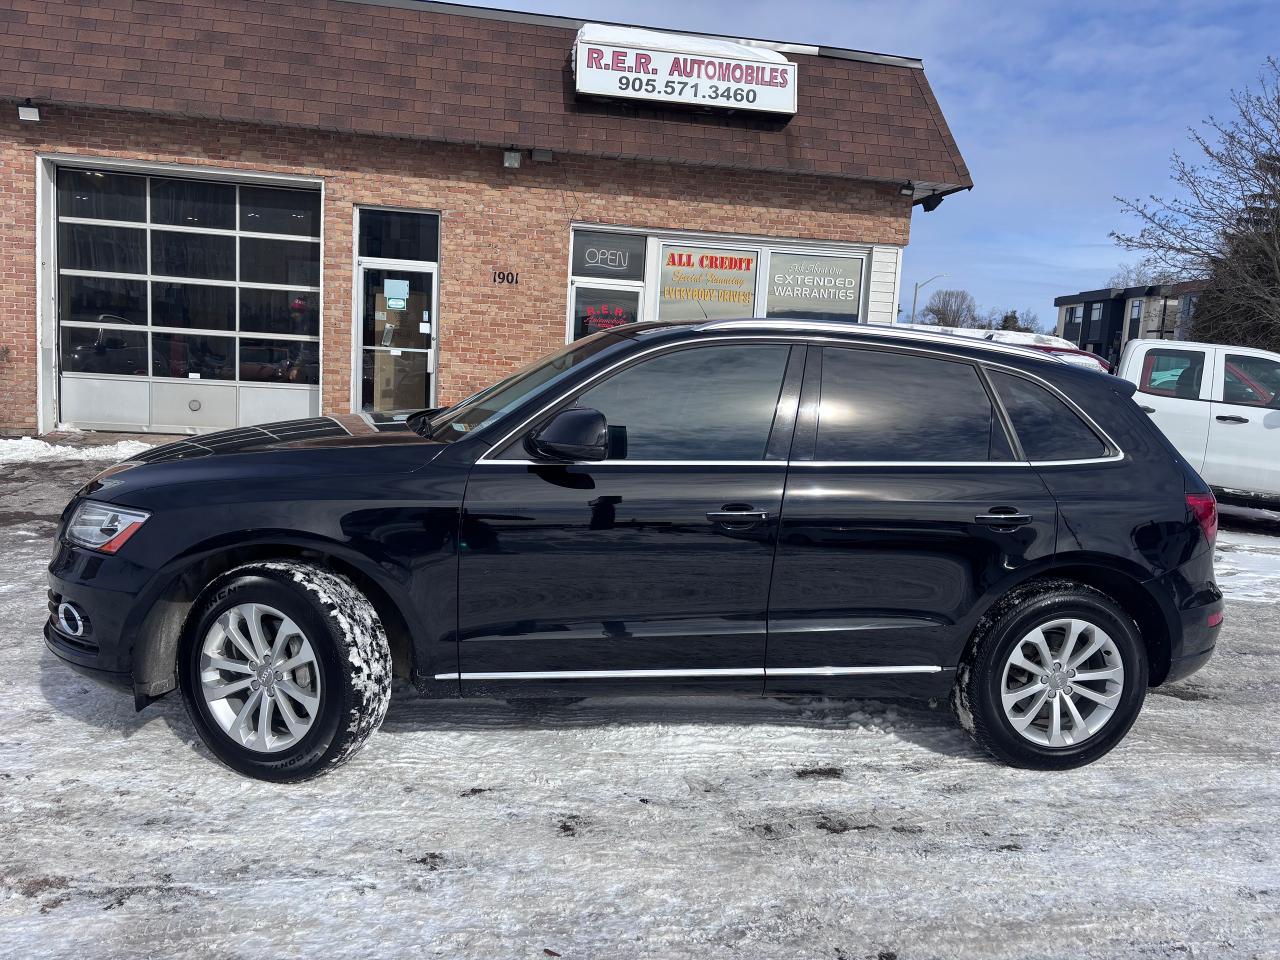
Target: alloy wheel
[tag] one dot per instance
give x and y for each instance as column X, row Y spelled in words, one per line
column 1062, row 682
column 259, row 678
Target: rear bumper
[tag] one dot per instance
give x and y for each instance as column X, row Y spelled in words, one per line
column 1197, row 616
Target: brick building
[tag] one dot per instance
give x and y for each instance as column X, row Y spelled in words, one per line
column 221, row 213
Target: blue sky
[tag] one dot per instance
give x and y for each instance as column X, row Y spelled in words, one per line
column 1057, row 107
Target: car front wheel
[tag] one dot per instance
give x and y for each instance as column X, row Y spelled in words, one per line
column 285, row 669
column 1054, row 678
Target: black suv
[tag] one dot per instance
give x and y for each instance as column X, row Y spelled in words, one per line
column 750, row 506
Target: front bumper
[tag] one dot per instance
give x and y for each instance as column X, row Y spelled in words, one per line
column 102, row 591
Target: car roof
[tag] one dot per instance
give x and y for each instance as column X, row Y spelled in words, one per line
column 872, row 332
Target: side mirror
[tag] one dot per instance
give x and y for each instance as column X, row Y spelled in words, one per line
column 577, row 433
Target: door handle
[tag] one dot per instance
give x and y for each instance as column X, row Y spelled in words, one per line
column 1231, row 419
column 738, row 516
column 1003, row 519
column 1147, row 409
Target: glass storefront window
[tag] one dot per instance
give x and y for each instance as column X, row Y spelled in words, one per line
column 95, row 195
column 821, row 287
column 598, row 308
column 270, row 210
column 280, row 311
column 392, row 380
column 104, row 350
column 102, row 300
column 279, row 361
column 707, row 283
column 228, row 279
column 608, row 256
column 193, row 356
column 398, row 235
column 192, row 305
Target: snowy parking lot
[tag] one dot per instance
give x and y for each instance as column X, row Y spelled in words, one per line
column 649, row 828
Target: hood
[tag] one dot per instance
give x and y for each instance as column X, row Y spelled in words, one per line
column 290, row 452
column 349, row 431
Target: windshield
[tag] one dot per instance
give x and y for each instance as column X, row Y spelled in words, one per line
column 483, row 408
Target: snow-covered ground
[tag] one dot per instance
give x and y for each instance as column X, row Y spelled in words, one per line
column 660, row 828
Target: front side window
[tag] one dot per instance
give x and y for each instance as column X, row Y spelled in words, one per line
column 483, row 408
column 889, row 407
column 1251, row 381
column 704, row 403
column 1047, row 428
column 1172, row 373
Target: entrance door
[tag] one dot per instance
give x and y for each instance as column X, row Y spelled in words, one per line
column 398, row 334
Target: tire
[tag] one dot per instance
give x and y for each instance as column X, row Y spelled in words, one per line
column 334, row 689
column 1004, row 658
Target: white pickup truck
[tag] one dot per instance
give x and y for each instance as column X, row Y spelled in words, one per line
column 1220, row 406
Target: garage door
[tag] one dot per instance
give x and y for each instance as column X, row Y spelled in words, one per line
column 185, row 304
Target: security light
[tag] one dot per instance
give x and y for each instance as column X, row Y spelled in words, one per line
column 908, row 189
column 511, row 159
column 28, row 111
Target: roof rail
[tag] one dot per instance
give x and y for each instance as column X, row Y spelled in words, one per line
column 885, row 331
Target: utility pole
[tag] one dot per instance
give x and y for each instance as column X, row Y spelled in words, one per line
column 916, row 296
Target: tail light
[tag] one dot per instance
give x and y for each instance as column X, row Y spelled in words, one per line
column 1205, row 507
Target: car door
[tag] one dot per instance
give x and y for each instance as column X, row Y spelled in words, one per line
column 905, row 506
column 1243, row 452
column 1173, row 388
column 649, row 568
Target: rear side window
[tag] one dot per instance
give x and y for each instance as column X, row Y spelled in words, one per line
column 1172, row 373
column 1251, row 381
column 880, row 406
column 1047, row 427
column 705, row 403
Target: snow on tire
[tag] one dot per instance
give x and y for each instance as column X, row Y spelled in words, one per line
column 326, row 691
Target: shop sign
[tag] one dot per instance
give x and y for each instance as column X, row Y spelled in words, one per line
column 695, row 79
column 707, row 283
column 807, row 285
column 596, row 309
column 614, row 256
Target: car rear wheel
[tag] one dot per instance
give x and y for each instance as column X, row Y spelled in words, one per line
column 1054, row 678
column 285, row 669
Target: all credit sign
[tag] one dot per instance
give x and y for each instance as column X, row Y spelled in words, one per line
column 696, row 79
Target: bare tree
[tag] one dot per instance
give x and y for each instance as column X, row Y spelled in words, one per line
column 1140, row 273
column 1224, row 224
column 951, row 308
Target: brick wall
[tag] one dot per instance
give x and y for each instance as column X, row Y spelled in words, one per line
column 491, row 218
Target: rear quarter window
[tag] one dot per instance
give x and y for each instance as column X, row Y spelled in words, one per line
column 1047, row 428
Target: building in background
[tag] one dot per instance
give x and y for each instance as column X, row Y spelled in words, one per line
column 1103, row 321
column 224, row 213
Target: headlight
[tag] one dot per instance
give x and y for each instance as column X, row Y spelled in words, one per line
column 102, row 527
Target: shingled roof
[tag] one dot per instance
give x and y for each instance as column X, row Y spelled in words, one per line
column 437, row 71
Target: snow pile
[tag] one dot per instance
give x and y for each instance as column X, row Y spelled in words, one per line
column 1247, row 566
column 28, row 449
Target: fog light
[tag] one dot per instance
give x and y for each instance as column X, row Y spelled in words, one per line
column 71, row 620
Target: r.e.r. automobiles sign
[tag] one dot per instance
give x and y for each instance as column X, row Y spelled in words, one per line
column 705, row 80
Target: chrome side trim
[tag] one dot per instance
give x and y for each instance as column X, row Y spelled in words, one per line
column 603, row 674
column 710, row 672
column 638, row 463
column 846, row 671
